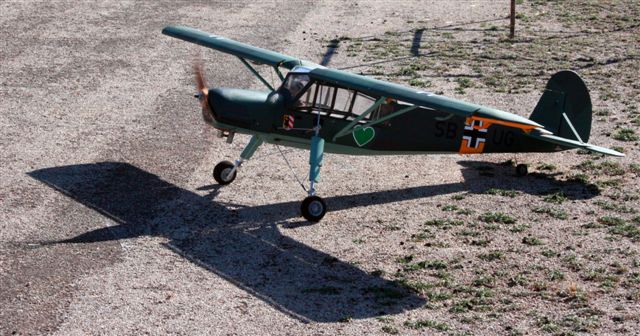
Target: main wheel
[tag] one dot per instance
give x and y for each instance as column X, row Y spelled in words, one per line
column 313, row 208
column 521, row 170
column 222, row 173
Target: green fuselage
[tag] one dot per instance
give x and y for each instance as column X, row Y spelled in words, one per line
column 420, row 131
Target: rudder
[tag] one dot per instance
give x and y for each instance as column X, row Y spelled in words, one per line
column 565, row 97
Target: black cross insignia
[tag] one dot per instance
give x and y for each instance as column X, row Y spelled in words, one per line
column 474, row 136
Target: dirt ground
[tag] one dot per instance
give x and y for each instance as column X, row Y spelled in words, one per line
column 110, row 221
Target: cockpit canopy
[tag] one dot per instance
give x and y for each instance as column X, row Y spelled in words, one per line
column 310, row 95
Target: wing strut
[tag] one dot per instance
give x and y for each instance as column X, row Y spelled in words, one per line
column 256, row 73
column 348, row 128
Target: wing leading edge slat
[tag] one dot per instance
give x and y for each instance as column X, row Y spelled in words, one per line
column 236, row 48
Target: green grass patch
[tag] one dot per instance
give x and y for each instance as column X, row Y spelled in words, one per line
column 556, row 275
column 615, row 207
column 450, row 207
column 547, row 167
column 532, row 241
column 611, row 221
column 491, row 256
column 421, row 324
column 496, row 217
column 554, row 213
column 426, row 264
column 502, row 192
column 549, row 253
column 390, row 330
column 625, row 134
column 444, row 223
column 556, row 198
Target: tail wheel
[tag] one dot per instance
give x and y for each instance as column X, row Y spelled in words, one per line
column 222, row 173
column 522, row 170
column 313, row 208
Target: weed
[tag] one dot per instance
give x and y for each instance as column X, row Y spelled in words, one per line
column 547, row 167
column 463, row 83
column 547, row 324
column 571, row 262
column 426, row 264
column 438, row 296
column 444, row 224
column 421, row 324
column 390, row 330
column 420, row 237
column 532, row 241
column 468, row 233
column 579, row 178
column 518, row 280
column 573, row 293
column 519, row 228
column 626, row 134
column 554, row 213
column 465, row 212
column 556, row 275
column 491, row 256
column 485, row 281
column 549, row 253
column 480, row 242
column 502, row 192
column 450, row 207
column 627, row 230
column 496, row 217
column 419, row 83
column 615, row 207
column 405, row 260
column 615, row 183
column 556, row 198
column 461, row 306
column 417, row 286
column 611, row 221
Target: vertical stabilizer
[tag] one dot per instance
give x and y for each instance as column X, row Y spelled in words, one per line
column 565, row 107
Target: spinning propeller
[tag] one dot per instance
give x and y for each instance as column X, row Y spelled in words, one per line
column 203, row 90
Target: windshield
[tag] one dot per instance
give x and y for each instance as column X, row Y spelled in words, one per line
column 295, row 83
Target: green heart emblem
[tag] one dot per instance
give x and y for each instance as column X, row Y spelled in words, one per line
column 362, row 135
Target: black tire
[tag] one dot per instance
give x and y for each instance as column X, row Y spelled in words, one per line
column 313, row 208
column 522, row 170
column 221, row 172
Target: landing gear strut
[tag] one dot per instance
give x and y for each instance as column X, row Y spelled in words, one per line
column 313, row 208
column 225, row 172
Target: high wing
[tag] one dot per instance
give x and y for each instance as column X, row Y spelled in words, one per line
column 343, row 78
column 242, row 50
column 419, row 98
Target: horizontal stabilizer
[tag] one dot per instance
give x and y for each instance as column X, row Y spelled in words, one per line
column 575, row 144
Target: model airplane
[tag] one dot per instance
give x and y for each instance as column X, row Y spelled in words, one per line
column 333, row 111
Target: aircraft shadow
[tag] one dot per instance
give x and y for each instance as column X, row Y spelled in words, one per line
column 244, row 244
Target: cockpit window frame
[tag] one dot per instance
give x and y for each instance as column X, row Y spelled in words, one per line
column 331, row 111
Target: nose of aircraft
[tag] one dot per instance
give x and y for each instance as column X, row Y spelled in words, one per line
column 239, row 107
